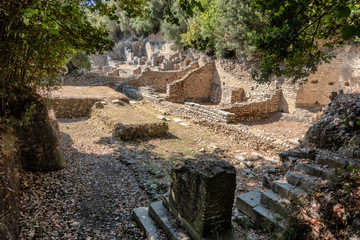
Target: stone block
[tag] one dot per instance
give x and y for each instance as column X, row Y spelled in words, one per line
column 305, row 153
column 202, row 195
column 311, row 170
column 167, row 222
column 273, row 201
column 142, row 218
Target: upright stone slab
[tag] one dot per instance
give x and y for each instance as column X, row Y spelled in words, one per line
column 202, row 195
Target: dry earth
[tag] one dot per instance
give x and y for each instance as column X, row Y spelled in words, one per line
column 105, row 179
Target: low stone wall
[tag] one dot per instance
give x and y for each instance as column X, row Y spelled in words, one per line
column 134, row 131
column 72, row 107
column 266, row 142
column 158, row 79
column 226, row 95
column 195, row 86
column 210, row 113
column 75, row 102
column 88, row 79
column 255, row 110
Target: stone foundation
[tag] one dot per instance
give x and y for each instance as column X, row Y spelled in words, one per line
column 255, row 110
column 136, row 131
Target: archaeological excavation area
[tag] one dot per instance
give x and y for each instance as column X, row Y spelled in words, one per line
column 179, row 120
column 213, row 154
column 157, row 144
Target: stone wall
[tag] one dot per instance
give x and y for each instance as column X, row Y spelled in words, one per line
column 288, row 97
column 157, row 79
column 233, row 74
column 89, row 80
column 202, row 196
column 255, row 110
column 210, row 113
column 226, row 95
column 195, row 86
column 343, row 72
column 128, row 132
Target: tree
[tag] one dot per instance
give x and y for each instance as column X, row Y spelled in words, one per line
column 299, row 34
column 37, row 38
column 226, row 27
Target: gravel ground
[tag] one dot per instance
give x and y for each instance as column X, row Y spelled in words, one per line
column 91, row 198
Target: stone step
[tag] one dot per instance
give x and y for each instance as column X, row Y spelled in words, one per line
column 249, row 203
column 288, row 191
column 225, row 235
column 312, row 170
column 276, row 203
column 167, row 222
column 303, row 181
column 301, row 153
column 337, row 162
column 143, row 219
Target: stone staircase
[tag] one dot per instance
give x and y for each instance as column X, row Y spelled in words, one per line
column 271, row 207
column 200, row 199
column 157, row 215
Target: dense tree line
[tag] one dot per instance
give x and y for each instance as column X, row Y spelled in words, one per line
column 37, row 37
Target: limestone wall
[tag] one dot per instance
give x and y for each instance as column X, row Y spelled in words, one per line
column 343, row 72
column 232, row 74
column 158, row 79
column 288, row 97
column 210, row 113
column 255, row 110
column 226, row 95
column 194, row 87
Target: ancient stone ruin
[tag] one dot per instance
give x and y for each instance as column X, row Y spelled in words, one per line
column 201, row 200
column 306, row 192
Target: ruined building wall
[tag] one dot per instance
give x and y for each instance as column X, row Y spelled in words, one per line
column 343, row 72
column 195, row 86
column 233, row 74
column 288, row 97
column 255, row 110
column 226, row 95
column 158, row 79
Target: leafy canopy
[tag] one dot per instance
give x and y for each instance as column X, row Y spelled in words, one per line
column 299, row 32
column 37, row 37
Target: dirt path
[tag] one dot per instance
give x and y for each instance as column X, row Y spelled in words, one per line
column 91, row 198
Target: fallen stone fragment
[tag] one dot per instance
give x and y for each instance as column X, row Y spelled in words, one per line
column 177, row 120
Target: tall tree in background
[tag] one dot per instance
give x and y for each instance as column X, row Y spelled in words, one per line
column 299, row 33
column 37, row 37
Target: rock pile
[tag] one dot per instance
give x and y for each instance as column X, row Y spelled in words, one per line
column 339, row 126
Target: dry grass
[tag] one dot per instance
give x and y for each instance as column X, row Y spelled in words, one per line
column 112, row 114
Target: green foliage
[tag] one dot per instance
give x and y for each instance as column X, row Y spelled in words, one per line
column 298, row 33
column 81, row 60
column 225, row 27
column 124, row 24
column 36, row 39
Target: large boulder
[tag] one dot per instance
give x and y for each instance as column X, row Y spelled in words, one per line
column 37, row 133
column 340, row 124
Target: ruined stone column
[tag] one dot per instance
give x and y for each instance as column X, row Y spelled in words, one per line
column 202, row 195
